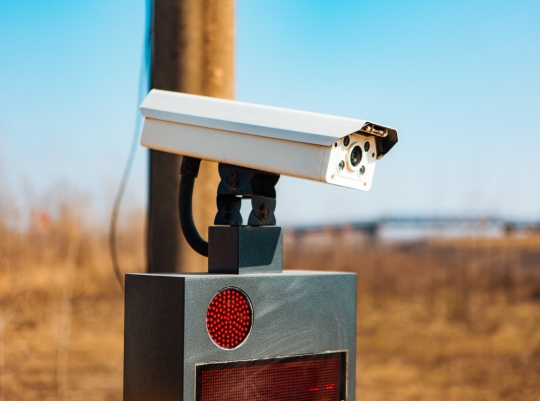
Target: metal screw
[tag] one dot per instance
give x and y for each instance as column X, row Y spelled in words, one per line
column 341, row 165
column 362, row 170
column 233, row 182
column 264, row 212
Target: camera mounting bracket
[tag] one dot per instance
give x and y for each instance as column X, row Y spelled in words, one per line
column 253, row 248
column 235, row 249
column 239, row 182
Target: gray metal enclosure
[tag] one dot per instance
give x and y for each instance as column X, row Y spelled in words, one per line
column 293, row 313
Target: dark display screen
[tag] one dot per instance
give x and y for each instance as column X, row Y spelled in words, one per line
column 314, row 377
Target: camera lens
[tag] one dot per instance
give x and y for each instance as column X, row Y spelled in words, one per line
column 356, row 156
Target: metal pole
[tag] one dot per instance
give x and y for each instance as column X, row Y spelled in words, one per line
column 193, row 52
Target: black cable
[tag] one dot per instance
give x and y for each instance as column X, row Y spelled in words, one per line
column 116, row 207
column 143, row 89
column 188, row 172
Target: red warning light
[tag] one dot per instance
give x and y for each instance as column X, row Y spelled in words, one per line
column 229, row 317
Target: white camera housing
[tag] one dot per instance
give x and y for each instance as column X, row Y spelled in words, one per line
column 295, row 143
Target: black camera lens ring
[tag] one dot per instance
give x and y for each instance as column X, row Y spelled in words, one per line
column 355, row 157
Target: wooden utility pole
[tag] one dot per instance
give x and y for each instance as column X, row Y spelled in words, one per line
column 193, row 52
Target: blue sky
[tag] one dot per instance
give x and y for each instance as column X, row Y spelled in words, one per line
column 459, row 80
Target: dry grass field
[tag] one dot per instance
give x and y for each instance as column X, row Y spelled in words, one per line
column 441, row 320
column 437, row 320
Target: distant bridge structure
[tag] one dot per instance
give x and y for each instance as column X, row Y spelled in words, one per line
column 373, row 228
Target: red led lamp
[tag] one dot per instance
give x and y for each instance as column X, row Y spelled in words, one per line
column 229, row 318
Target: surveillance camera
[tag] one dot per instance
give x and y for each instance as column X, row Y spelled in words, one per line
column 336, row 150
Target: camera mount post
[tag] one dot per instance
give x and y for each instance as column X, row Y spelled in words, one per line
column 239, row 182
column 233, row 247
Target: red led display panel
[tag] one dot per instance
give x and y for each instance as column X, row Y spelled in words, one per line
column 316, row 377
column 228, row 318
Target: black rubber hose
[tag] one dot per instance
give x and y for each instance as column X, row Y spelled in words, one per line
column 185, row 210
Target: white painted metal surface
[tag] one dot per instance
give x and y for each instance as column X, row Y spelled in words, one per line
column 289, row 142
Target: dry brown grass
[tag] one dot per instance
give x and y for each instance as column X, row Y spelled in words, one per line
column 62, row 310
column 440, row 320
